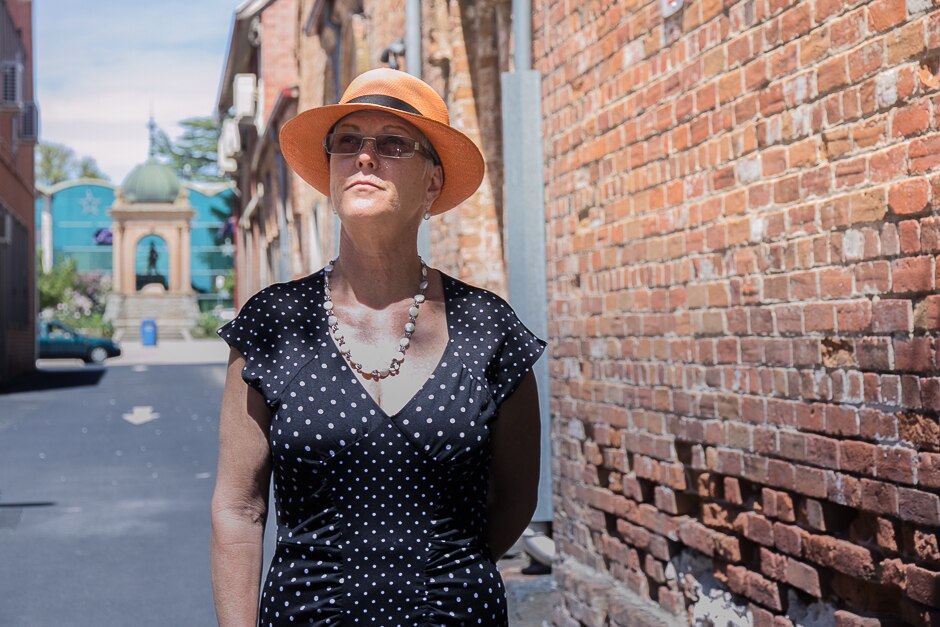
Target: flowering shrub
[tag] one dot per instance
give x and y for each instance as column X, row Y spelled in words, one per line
column 75, row 299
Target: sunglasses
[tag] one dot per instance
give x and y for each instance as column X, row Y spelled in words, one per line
column 393, row 146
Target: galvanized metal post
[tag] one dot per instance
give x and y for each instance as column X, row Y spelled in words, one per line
column 413, row 61
column 524, row 218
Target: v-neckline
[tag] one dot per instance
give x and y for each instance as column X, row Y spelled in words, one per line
column 335, row 355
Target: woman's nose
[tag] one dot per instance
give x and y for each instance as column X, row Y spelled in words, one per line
column 366, row 155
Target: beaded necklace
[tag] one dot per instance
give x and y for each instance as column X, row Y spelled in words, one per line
column 403, row 343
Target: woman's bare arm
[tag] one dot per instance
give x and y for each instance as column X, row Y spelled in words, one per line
column 514, row 469
column 240, row 501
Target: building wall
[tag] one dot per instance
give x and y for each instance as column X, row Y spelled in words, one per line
column 465, row 49
column 467, row 241
column 79, row 212
column 742, row 224
column 277, row 62
column 17, row 256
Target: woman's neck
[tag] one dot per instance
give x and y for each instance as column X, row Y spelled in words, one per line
column 376, row 275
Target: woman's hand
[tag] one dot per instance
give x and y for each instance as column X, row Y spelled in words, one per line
column 514, row 469
column 240, row 501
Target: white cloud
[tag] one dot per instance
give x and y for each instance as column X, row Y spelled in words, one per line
column 100, row 72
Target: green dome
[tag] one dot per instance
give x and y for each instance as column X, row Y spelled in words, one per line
column 151, row 182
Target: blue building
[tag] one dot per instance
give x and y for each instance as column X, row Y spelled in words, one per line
column 73, row 221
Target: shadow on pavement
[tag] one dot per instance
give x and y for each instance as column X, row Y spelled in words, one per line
column 53, row 379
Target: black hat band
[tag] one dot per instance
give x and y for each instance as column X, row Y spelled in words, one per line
column 385, row 101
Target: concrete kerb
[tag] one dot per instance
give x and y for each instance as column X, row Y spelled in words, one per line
column 166, row 352
column 211, row 350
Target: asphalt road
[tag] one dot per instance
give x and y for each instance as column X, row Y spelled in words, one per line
column 105, row 480
column 104, row 522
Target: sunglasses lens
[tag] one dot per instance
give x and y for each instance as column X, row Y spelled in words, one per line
column 393, row 146
column 343, row 143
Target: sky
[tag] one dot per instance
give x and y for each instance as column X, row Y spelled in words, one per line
column 102, row 66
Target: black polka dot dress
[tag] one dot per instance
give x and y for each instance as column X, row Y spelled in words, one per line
column 380, row 518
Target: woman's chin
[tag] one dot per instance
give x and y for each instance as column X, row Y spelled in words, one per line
column 369, row 211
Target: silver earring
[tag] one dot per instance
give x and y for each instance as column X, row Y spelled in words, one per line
column 427, row 214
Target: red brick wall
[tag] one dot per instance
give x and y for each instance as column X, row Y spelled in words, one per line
column 743, row 238
column 17, row 196
column 278, row 46
column 465, row 49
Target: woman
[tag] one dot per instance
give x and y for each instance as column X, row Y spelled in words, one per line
column 394, row 405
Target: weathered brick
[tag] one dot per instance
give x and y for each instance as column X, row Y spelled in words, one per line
column 804, row 577
column 883, row 14
column 889, row 316
column 879, row 497
column 919, row 507
column 844, row 618
column 858, row 457
column 923, row 585
column 788, row 539
column 909, row 197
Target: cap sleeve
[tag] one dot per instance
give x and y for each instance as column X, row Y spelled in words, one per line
column 251, row 334
column 516, row 355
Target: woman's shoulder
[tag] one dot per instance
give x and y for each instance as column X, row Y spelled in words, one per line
column 479, row 310
column 490, row 337
column 467, row 295
column 286, row 293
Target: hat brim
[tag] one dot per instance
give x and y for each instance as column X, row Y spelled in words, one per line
column 301, row 144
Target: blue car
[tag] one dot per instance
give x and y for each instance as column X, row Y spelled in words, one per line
column 57, row 340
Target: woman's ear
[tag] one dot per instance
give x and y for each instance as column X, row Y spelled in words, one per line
column 435, row 184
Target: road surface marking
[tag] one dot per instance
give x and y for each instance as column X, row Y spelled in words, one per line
column 141, row 414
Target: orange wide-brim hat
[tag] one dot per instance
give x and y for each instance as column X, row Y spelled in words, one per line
column 403, row 95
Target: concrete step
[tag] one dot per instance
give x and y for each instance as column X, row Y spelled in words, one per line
column 173, row 314
column 130, row 330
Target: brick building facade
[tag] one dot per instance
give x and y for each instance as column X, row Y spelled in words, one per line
column 743, row 238
column 274, row 240
column 18, row 133
column 303, row 53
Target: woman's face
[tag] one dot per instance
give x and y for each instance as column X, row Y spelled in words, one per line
column 368, row 185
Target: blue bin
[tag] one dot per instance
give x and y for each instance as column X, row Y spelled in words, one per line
column 148, row 332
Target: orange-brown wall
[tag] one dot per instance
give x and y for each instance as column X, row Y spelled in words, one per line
column 743, row 204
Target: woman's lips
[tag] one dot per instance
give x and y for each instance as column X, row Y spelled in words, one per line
column 365, row 182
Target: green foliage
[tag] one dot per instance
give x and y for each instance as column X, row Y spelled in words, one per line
column 193, row 153
column 56, row 163
column 207, row 324
column 54, row 284
column 229, row 285
column 88, row 169
column 93, row 324
column 75, row 299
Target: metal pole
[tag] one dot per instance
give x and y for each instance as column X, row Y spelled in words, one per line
column 525, row 217
column 413, row 61
column 522, row 34
column 413, row 37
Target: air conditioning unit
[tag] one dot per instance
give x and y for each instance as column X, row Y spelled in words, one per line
column 244, row 95
column 29, row 123
column 11, row 85
column 230, row 145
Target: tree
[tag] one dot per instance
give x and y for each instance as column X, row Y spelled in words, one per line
column 88, row 169
column 57, row 162
column 194, row 153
